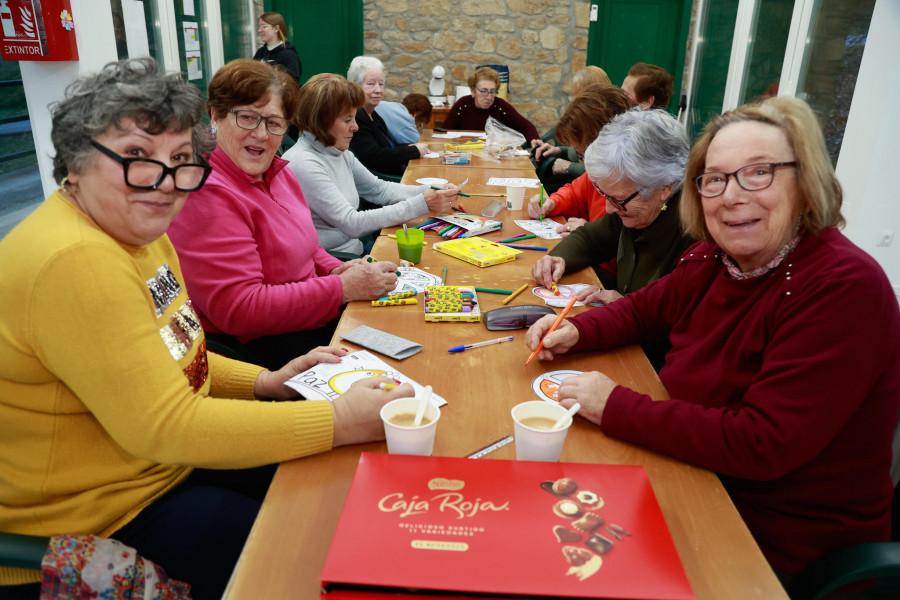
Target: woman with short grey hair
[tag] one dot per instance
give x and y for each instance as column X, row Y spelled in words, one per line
column 637, row 165
column 373, row 145
column 651, row 147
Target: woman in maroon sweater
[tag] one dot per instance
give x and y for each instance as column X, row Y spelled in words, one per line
column 784, row 371
column 470, row 113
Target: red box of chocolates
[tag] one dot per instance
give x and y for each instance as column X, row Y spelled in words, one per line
column 418, row 525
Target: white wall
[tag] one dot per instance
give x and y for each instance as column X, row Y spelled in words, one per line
column 45, row 82
column 869, row 163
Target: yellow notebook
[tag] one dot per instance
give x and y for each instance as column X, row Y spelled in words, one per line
column 478, row 251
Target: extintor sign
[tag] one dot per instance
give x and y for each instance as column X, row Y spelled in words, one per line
column 37, row 30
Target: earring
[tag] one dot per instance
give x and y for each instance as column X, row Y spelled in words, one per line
column 212, row 130
column 663, row 207
column 64, row 182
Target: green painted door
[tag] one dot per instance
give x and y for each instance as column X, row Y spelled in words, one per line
column 631, row 31
column 326, row 33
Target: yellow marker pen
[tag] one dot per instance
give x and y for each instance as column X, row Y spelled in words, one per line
column 399, row 302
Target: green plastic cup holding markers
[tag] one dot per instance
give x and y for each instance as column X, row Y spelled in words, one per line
column 409, row 244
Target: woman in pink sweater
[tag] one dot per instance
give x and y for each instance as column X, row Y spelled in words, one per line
column 784, row 371
column 248, row 248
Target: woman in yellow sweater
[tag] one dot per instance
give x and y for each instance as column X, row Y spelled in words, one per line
column 114, row 420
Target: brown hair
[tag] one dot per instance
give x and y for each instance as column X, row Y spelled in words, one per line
column 419, row 107
column 324, row 98
column 588, row 75
column 819, row 193
column 482, row 74
column 652, row 81
column 245, row 81
column 589, row 112
column 275, row 20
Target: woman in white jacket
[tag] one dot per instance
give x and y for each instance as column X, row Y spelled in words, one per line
column 333, row 179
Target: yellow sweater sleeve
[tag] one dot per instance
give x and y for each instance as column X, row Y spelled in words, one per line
column 92, row 324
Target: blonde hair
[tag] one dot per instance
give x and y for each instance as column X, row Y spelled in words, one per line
column 818, row 190
column 588, row 75
column 484, row 74
column 275, row 19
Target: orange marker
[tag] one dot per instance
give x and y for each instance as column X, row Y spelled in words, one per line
column 554, row 288
column 553, row 327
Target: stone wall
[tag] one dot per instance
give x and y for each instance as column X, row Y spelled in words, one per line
column 544, row 42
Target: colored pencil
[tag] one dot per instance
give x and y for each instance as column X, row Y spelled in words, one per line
column 493, row 291
column 515, row 293
column 553, row 327
column 518, row 238
column 525, row 247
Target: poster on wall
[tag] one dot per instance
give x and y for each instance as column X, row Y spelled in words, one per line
column 190, row 30
column 37, row 30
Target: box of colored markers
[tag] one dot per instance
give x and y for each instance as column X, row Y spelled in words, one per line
column 451, row 303
column 460, row 225
column 478, row 251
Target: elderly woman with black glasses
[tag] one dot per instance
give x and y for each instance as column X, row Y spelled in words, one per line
column 636, row 165
column 114, row 419
column 784, row 371
column 247, row 243
column 470, row 113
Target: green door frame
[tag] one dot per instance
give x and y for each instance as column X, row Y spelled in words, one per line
column 598, row 50
column 328, row 34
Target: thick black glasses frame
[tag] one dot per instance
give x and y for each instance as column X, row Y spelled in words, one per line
column 166, row 169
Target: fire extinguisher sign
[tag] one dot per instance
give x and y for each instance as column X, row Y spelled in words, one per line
column 37, row 30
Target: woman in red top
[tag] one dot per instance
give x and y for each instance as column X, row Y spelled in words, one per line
column 470, row 113
column 784, row 371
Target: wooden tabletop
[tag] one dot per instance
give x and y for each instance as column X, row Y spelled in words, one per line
column 286, row 550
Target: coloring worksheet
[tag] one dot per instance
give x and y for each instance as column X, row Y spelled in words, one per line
column 546, row 386
column 505, row 181
column 545, row 229
column 327, row 381
column 415, row 280
column 566, row 291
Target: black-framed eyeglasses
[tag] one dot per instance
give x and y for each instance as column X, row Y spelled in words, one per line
column 580, row 158
column 620, row 203
column 486, row 92
column 752, row 178
column 148, row 174
column 250, row 119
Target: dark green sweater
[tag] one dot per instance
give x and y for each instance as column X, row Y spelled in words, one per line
column 642, row 255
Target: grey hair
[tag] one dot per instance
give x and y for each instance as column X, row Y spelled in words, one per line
column 362, row 64
column 131, row 89
column 647, row 147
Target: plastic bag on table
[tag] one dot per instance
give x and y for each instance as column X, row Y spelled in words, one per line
column 502, row 141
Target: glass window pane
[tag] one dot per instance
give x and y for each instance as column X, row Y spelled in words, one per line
column 711, row 70
column 766, row 54
column 831, row 64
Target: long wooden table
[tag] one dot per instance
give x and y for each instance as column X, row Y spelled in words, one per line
column 289, row 542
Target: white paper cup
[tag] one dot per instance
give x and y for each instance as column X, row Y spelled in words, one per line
column 539, row 444
column 409, row 440
column 515, row 197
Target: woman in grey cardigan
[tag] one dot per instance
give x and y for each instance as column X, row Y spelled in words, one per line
column 333, row 179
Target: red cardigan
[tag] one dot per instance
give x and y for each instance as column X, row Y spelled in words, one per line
column 787, row 385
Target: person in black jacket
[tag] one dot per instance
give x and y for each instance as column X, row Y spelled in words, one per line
column 373, row 144
column 275, row 49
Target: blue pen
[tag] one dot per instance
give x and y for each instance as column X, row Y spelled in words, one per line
column 479, row 344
